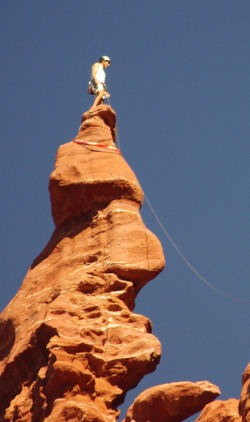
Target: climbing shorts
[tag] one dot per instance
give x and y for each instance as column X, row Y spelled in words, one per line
column 100, row 87
column 95, row 88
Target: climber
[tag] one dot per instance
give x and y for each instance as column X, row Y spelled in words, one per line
column 97, row 84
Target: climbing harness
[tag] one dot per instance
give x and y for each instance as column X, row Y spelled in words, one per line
column 94, row 88
column 92, row 145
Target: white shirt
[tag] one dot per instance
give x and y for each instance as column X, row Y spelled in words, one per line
column 100, row 74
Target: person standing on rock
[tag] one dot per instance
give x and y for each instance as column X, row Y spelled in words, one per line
column 97, row 84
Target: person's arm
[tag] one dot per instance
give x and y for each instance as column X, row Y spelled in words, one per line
column 94, row 71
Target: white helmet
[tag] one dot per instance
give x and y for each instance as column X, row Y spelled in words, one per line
column 104, row 59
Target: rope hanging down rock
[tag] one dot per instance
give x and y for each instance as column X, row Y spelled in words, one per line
column 91, row 146
column 187, row 262
column 183, row 257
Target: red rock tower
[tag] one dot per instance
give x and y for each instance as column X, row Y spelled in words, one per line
column 70, row 346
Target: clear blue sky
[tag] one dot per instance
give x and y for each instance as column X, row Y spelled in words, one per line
column 178, row 81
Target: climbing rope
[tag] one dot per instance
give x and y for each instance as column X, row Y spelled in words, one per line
column 183, row 257
column 117, row 135
column 188, row 263
column 92, row 145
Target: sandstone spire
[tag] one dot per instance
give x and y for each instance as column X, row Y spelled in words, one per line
column 70, row 345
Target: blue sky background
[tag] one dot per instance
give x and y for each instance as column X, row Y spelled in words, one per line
column 178, row 82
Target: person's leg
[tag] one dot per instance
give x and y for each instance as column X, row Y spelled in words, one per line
column 98, row 98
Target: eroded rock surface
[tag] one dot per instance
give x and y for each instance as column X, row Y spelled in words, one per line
column 70, row 345
column 221, row 411
column 231, row 410
column 244, row 405
column 172, row 402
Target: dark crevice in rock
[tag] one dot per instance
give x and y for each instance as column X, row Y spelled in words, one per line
column 25, row 367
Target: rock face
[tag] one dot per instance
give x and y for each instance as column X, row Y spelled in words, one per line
column 70, row 346
column 231, row 410
column 244, row 405
column 221, row 411
column 171, row 402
